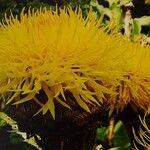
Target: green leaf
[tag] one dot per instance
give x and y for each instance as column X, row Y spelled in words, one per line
column 2, row 123
column 15, row 138
column 32, row 141
column 21, row 142
column 143, row 21
column 136, row 27
column 101, row 134
column 117, row 148
column 121, row 138
column 118, row 2
column 124, row 2
column 117, row 16
column 8, row 120
column 101, row 9
column 111, row 2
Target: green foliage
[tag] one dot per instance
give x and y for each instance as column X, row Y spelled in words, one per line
column 136, row 28
column 137, row 24
column 2, row 123
column 112, row 17
column 16, row 6
column 101, row 134
column 118, row 2
column 7, row 120
column 120, row 140
column 16, row 138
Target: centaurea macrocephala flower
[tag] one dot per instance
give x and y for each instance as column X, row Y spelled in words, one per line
column 63, row 52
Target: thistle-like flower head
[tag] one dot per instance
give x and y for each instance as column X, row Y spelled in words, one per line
column 57, row 52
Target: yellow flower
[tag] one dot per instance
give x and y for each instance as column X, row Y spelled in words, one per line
column 56, row 53
column 134, row 87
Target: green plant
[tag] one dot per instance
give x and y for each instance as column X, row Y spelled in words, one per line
column 17, row 139
column 120, row 139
